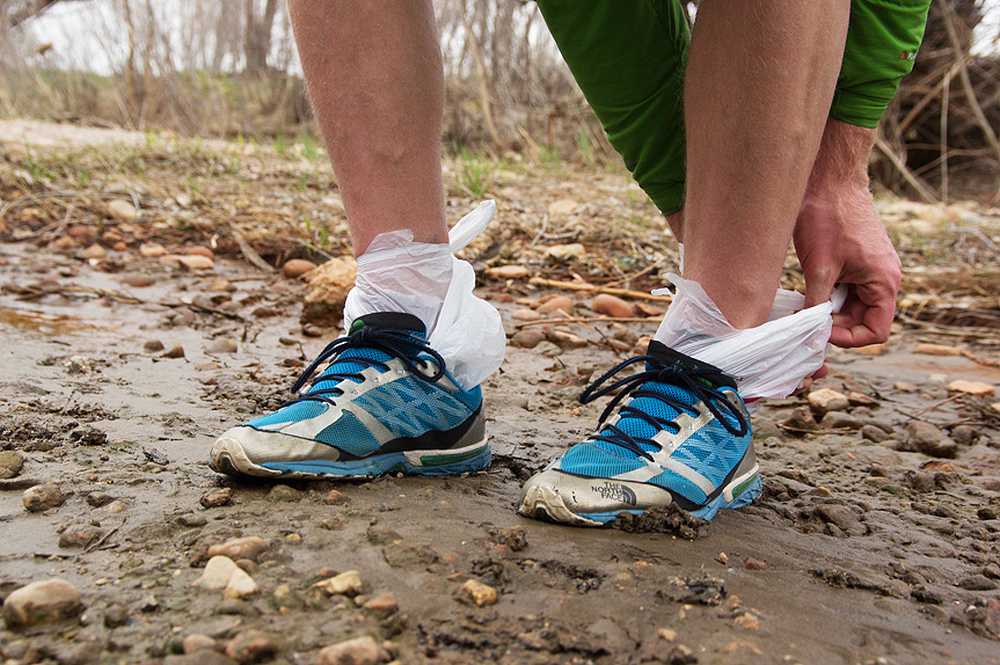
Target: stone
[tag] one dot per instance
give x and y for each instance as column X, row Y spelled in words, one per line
column 222, row 345
column 138, row 281
column 977, row 582
column 295, row 268
column 216, row 498
column 195, row 262
column 569, row 252
column 928, row 439
column 280, row 493
column 251, row 646
column 192, row 520
column 174, row 352
column 477, row 593
column 565, row 340
column 153, row 346
column 525, row 314
column 217, row 572
column 855, row 398
column 45, row 601
column 874, row 434
column 610, row 305
column 965, row 435
column 116, row 615
column 203, row 657
column 248, row 547
column 79, row 536
column 240, row 585
column 977, row 388
column 562, row 207
column 844, row 517
column 508, row 272
column 839, row 420
column 122, row 211
column 382, row 604
column 329, row 285
column 42, row 497
column 937, row 350
column 800, row 419
column 825, row 400
column 667, row 634
column 334, row 497
column 11, row 463
column 556, row 304
column 528, row 338
column 197, row 642
column 200, row 250
column 345, row 584
column 152, row 250
column 358, row 651
column 95, row 251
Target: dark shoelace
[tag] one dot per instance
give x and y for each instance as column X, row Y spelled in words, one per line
column 692, row 380
column 393, row 342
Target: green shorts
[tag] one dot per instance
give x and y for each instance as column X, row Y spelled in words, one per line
column 628, row 57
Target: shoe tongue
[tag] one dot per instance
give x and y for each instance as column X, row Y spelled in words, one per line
column 345, row 362
column 666, row 357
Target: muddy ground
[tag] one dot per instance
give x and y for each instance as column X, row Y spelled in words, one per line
column 863, row 549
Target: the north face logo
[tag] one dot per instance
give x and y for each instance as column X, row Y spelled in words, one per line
column 615, row 492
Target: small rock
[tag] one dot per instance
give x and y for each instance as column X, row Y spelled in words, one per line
column 478, row 593
column 825, row 400
column 667, row 634
column 528, row 338
column 200, row 250
column 937, row 350
column 42, row 497
column 562, row 207
column 514, row 538
column 138, row 281
column 843, row 517
column 95, row 251
column 754, row 564
column 328, row 287
column 11, row 463
column 986, row 513
column 801, row 419
column 359, row 651
column 556, row 304
column 977, row 388
column 905, row 387
column 98, row 499
column 977, row 582
column 610, row 305
column 928, row 439
column 196, row 263
column 240, row 585
column 176, row 351
column 747, row 621
column 295, row 268
column 217, row 572
column 251, row 646
column 722, row 558
column 280, row 493
column 222, row 345
column 568, row 252
column 525, row 314
column 153, row 346
column 565, row 340
column 681, row 655
column 382, row 604
column 874, row 434
column 347, row 584
column 116, row 615
column 79, row 536
column 216, row 498
column 122, row 210
column 197, row 642
column 192, row 520
column 508, row 272
column 42, row 602
column 152, row 250
column 855, row 398
column 248, row 547
column 965, row 435
column 334, row 497
column 839, row 420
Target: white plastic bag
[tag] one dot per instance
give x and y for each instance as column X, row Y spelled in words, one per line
column 468, row 332
column 769, row 361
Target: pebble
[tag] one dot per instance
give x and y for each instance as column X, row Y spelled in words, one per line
column 667, row 634
column 222, row 345
column 556, row 304
column 248, row 547
column 561, row 207
column 196, row 263
column 528, row 338
column 251, row 646
column 42, row 497
column 855, row 398
column 565, row 340
column 280, row 493
column 800, row 419
column 843, row 517
column 382, row 604
column 525, row 314
column 295, row 268
column 928, row 349
column 928, row 439
column 216, row 498
column 200, row 250
column 747, row 621
column 508, row 272
column 11, row 463
column 116, row 615
column 965, row 435
column 754, row 564
column 977, row 388
column 98, row 499
column 197, row 642
column 176, row 351
column 977, row 582
column 609, row 305
column 192, row 520
column 42, row 602
column 478, row 593
column 347, row 584
column 240, row 585
column 79, row 536
column 839, row 420
column 571, row 251
column 334, row 497
column 153, row 346
column 95, row 251
column 152, row 250
column 359, row 651
column 329, row 284
column 874, row 434
column 122, row 210
column 825, row 400
column 217, row 572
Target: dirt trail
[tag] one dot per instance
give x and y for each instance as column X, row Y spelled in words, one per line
column 859, row 552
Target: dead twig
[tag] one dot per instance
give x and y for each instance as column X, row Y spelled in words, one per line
column 593, row 288
column 249, row 253
column 591, row 319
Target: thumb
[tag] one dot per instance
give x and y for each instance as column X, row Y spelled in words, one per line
column 819, row 284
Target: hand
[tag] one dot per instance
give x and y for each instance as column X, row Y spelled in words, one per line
column 840, row 239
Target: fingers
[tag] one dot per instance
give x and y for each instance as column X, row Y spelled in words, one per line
column 866, row 317
column 820, row 283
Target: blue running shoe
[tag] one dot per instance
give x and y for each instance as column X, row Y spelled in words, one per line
column 383, row 403
column 683, row 438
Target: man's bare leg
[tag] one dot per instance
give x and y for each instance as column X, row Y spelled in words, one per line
column 759, row 83
column 375, row 79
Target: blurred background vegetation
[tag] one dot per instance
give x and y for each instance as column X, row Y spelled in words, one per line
column 228, row 68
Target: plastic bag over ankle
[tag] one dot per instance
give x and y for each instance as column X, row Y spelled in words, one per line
column 468, row 332
column 769, row 361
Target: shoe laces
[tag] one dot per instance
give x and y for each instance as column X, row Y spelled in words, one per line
column 394, row 343
column 695, row 381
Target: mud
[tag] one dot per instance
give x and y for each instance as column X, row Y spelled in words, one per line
column 858, row 552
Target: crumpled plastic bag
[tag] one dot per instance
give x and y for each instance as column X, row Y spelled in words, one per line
column 769, row 361
column 468, row 332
